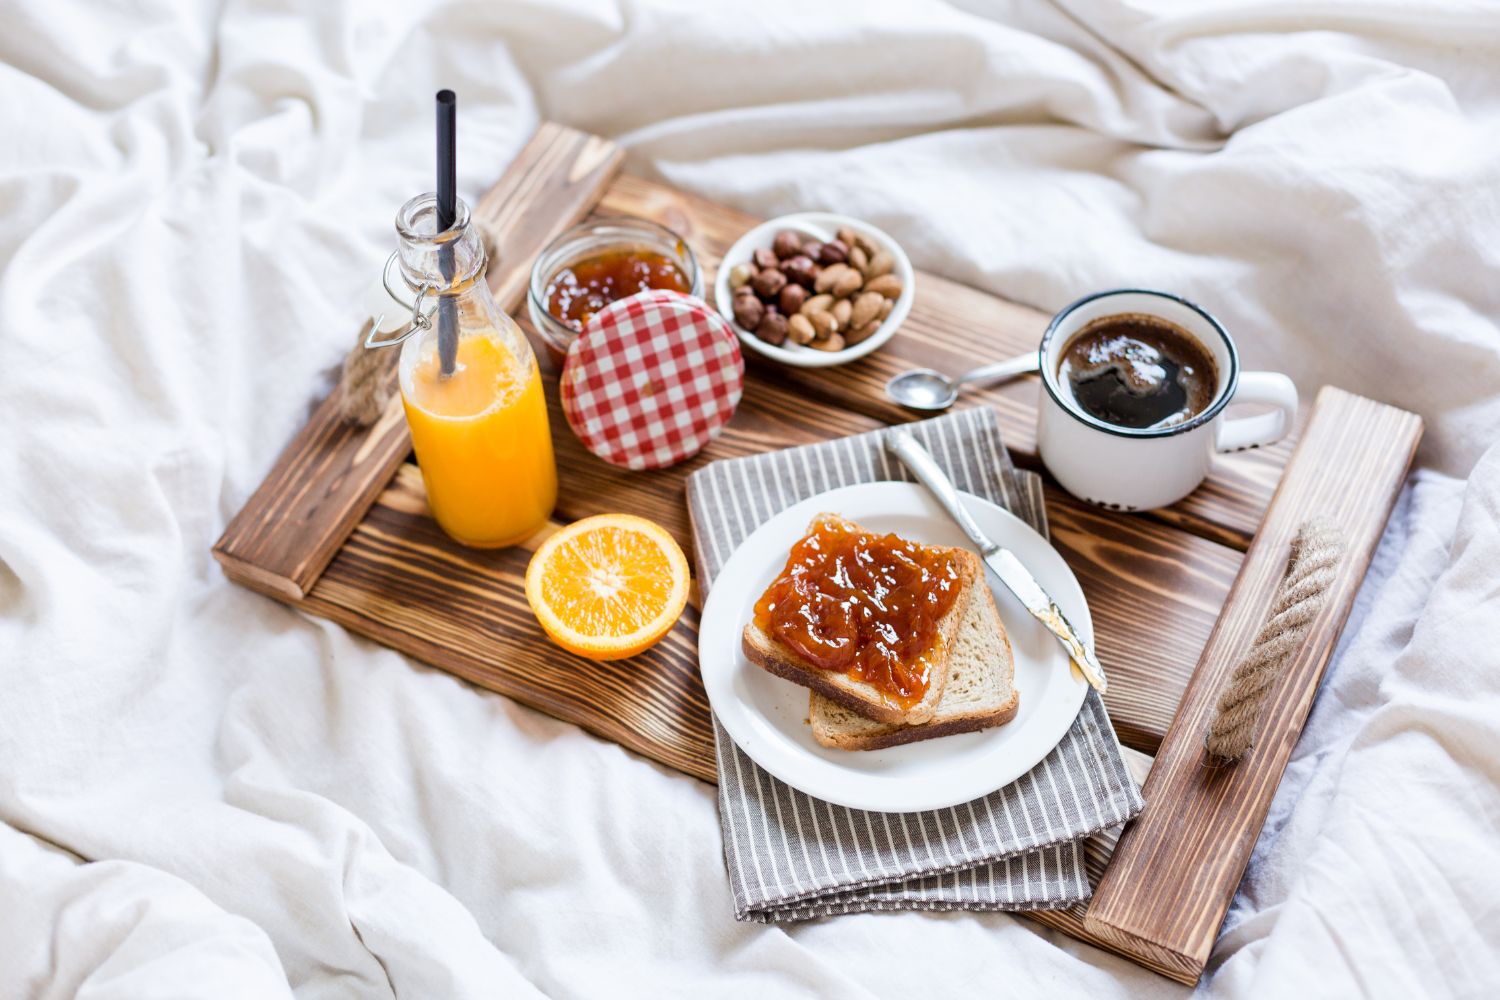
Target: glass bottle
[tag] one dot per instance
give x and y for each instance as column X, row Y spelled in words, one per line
column 480, row 433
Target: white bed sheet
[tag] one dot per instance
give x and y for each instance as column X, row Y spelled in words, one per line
column 204, row 793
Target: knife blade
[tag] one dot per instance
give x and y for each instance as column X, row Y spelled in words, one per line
column 904, row 445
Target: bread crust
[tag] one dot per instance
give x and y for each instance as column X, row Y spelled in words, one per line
column 836, row 737
column 927, row 731
column 765, row 652
column 773, row 656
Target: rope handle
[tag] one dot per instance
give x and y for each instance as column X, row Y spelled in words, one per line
column 1311, row 570
column 364, row 388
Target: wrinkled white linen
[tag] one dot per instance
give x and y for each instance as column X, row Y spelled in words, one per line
column 204, row 793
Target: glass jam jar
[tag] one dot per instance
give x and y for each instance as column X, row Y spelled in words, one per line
column 596, row 263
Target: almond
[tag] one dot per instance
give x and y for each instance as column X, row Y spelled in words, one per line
column 887, row 284
column 866, row 308
column 859, row 260
column 833, row 343
column 841, row 311
column 800, row 329
column 881, row 262
column 818, row 303
column 824, row 325
column 847, row 283
column 861, row 333
column 832, row 274
column 741, row 274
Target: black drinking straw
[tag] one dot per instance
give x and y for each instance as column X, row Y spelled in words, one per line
column 447, row 180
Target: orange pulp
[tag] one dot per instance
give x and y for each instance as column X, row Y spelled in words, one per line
column 482, row 442
column 609, row 586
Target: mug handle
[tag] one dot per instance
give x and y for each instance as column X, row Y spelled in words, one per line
column 1263, row 428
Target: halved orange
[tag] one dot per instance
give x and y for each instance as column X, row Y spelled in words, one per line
column 609, row 586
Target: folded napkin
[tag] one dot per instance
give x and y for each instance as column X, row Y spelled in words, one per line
column 793, row 857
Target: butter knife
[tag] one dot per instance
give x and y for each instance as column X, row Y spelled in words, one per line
column 1007, row 567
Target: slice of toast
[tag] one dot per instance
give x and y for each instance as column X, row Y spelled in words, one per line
column 855, row 695
column 981, row 691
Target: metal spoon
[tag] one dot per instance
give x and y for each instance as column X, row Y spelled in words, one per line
column 925, row 389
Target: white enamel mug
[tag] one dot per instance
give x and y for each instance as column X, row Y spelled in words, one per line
column 1123, row 468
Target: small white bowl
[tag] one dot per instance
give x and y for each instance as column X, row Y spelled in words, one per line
column 819, row 226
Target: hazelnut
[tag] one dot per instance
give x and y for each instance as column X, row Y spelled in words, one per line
column 768, row 283
column 800, row 329
column 786, row 244
column 799, row 269
column 812, row 248
column 763, row 258
column 833, row 252
column 748, row 311
column 772, row 329
column 792, row 298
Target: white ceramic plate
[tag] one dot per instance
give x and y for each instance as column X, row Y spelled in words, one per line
column 767, row 716
column 819, row 226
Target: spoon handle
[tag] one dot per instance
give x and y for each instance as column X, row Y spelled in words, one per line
column 999, row 371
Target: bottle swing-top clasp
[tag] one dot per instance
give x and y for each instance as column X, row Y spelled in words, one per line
column 421, row 318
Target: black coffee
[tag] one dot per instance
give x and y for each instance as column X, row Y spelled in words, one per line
column 1138, row 371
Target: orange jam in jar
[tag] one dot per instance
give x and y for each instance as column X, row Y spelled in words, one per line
column 862, row 604
column 598, row 262
column 580, row 289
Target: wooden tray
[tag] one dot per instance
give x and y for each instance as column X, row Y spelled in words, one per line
column 340, row 529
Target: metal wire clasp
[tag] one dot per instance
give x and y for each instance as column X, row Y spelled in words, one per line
column 420, row 320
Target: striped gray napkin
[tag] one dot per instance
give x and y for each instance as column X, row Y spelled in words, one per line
column 793, row 857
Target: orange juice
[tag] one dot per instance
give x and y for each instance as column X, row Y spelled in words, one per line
column 481, row 439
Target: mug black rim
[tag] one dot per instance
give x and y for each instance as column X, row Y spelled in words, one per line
column 1226, row 391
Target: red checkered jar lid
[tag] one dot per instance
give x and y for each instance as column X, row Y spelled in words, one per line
column 652, row 379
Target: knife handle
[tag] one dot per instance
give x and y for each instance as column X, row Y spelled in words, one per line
column 904, row 445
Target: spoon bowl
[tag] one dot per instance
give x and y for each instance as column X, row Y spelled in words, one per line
column 925, row 389
column 922, row 389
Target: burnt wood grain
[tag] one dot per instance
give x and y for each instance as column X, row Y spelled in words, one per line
column 401, row 581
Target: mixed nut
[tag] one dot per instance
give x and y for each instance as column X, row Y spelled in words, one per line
column 828, row 296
